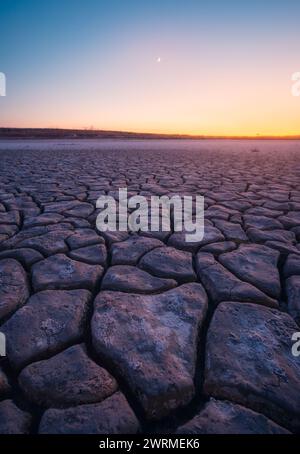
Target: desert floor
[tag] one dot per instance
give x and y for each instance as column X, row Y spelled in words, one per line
column 123, row 333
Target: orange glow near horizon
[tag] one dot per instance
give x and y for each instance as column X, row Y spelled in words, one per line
column 164, row 98
column 225, row 78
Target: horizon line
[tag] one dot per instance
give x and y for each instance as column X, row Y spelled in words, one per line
column 20, row 132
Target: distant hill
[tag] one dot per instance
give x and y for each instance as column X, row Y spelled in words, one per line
column 41, row 133
column 53, row 133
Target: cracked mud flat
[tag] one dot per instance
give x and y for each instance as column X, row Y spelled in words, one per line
column 118, row 333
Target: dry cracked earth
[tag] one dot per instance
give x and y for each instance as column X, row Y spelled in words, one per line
column 127, row 333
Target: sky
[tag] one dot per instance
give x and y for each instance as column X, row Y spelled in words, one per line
column 167, row 66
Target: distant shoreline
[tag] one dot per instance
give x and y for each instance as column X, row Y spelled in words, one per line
column 53, row 133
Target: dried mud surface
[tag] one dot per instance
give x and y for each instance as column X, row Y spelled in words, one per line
column 125, row 333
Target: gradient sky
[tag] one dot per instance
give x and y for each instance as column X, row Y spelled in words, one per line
column 225, row 66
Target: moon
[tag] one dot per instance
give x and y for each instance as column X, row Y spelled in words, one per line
column 158, row 60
